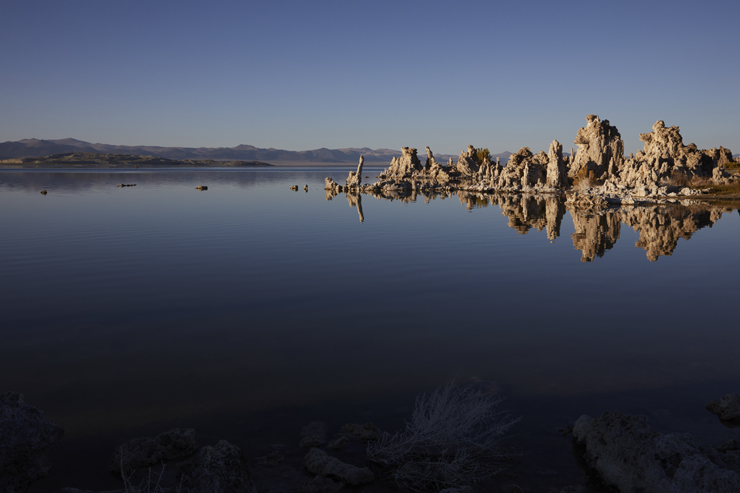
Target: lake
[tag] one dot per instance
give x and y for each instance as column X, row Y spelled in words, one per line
column 250, row 310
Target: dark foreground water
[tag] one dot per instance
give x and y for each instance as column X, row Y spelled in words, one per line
column 248, row 310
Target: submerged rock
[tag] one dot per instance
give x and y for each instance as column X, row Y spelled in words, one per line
column 630, row 457
column 143, row 452
column 26, row 436
column 222, row 468
column 320, row 463
column 368, row 432
column 727, row 408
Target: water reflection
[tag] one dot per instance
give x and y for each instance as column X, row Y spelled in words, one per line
column 596, row 231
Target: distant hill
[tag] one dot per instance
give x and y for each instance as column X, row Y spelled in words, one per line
column 95, row 159
column 38, row 147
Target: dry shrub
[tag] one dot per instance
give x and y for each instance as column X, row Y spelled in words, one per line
column 481, row 154
column 677, row 179
column 451, row 440
column 585, row 178
column 700, row 182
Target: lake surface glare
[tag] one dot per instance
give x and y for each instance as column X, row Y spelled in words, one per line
column 249, row 310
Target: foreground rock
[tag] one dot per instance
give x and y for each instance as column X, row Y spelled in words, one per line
column 320, row 463
column 628, row 456
column 222, row 468
column 727, row 408
column 144, row 452
column 26, row 436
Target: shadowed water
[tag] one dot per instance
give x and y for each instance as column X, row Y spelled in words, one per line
column 247, row 310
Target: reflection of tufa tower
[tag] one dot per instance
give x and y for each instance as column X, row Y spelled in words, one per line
column 661, row 228
column 554, row 212
column 595, row 234
column 356, row 201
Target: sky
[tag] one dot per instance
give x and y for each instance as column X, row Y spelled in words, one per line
column 303, row 75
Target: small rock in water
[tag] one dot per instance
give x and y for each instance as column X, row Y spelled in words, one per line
column 339, row 443
column 294, row 188
column 368, row 431
column 271, row 459
column 314, row 429
column 201, row 187
column 43, row 192
column 311, row 441
column 320, row 463
column 126, row 185
column 321, row 484
column 730, row 445
column 305, row 188
column 727, row 408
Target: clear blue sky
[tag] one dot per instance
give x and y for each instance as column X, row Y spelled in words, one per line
column 304, row 75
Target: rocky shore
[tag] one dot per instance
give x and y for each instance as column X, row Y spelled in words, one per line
column 616, row 452
column 597, row 175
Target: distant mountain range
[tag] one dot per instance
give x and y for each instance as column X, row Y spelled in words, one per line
column 38, row 147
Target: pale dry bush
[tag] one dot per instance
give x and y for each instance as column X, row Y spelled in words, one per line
column 451, row 440
column 148, row 485
column 677, row 179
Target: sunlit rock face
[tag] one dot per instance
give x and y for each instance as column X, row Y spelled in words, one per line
column 520, row 170
column 355, row 178
column 467, row 163
column 600, row 149
column 666, row 159
column 403, row 167
column 557, row 170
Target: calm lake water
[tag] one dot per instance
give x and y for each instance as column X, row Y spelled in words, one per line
column 249, row 310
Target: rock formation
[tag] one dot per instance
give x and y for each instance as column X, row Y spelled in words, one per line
column 403, row 167
column 467, row 163
column 430, row 159
column 557, row 172
column 26, row 436
column 628, row 456
column 222, row 468
column 600, row 149
column 593, row 179
column 355, row 178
